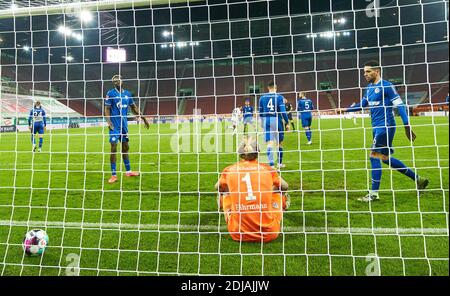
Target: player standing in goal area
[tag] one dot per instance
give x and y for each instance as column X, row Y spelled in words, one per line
column 304, row 107
column 247, row 112
column 251, row 196
column 117, row 102
column 272, row 112
column 37, row 124
column 380, row 98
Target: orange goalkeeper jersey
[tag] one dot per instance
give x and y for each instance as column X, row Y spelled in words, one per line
column 253, row 211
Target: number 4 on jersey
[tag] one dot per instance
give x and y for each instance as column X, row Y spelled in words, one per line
column 270, row 105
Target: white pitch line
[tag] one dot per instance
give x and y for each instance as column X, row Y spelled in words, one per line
column 213, row 228
column 202, row 162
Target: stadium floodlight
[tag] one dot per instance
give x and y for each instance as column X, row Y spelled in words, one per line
column 167, row 33
column 340, row 21
column 26, row 48
column 86, row 16
column 181, row 44
column 69, row 58
column 77, row 36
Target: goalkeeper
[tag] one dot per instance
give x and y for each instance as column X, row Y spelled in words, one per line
column 251, row 196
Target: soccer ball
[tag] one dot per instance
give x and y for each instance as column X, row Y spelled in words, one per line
column 35, row 242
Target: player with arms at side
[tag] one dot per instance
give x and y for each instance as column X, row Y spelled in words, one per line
column 117, row 102
column 273, row 112
column 380, row 98
column 247, row 111
column 37, row 124
column 304, row 107
column 289, row 110
column 251, row 196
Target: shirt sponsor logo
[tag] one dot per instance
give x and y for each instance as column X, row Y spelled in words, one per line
column 374, row 103
column 255, row 207
column 377, row 90
column 120, row 105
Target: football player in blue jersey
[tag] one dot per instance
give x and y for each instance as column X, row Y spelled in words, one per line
column 380, row 98
column 37, row 124
column 304, row 108
column 273, row 112
column 247, row 111
column 289, row 110
column 117, row 102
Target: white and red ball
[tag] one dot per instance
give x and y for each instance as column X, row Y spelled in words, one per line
column 35, row 242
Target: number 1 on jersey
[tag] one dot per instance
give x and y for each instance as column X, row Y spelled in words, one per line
column 248, row 183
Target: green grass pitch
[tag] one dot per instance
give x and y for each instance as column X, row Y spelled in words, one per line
column 166, row 221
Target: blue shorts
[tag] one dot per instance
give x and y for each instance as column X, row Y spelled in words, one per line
column 118, row 134
column 306, row 121
column 248, row 120
column 273, row 129
column 38, row 128
column 382, row 140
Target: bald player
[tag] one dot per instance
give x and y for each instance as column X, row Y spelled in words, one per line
column 251, row 196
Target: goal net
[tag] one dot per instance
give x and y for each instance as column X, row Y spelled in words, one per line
column 187, row 65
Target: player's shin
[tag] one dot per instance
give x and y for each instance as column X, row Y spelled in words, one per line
column 113, row 168
column 308, row 134
column 376, row 174
column 280, row 155
column 126, row 162
column 270, row 156
column 41, row 140
column 401, row 167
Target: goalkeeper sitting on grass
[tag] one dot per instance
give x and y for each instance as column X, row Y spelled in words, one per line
column 250, row 194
